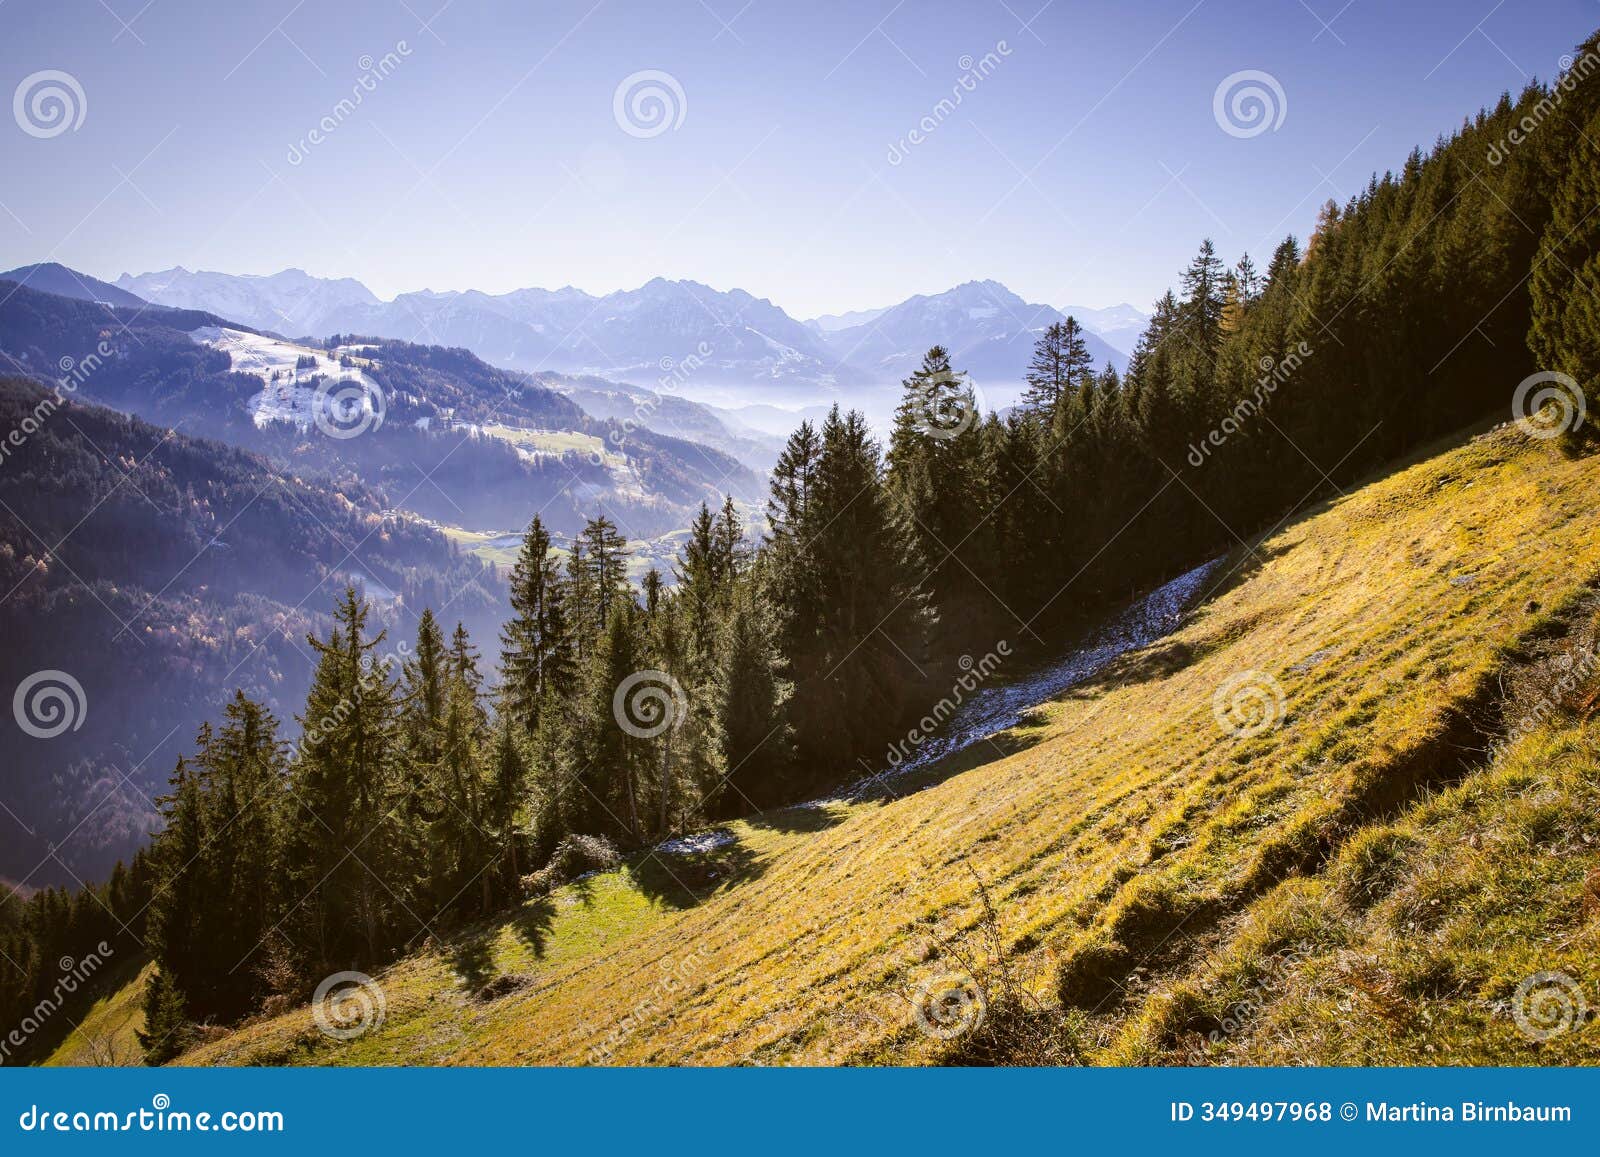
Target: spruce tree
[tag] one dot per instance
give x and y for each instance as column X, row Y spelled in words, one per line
column 241, row 777
column 346, row 851
column 1565, row 287
column 699, row 587
column 1060, row 365
column 752, row 717
column 506, row 795
column 854, row 683
column 605, row 562
column 537, row 653
column 175, row 914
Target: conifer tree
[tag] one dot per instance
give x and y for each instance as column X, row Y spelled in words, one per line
column 241, row 779
column 1203, row 301
column 699, row 588
column 605, row 562
column 731, row 554
column 537, row 652
column 855, row 680
column 174, row 914
column 752, row 717
column 1565, row 331
column 1061, row 364
column 506, row 794
column 346, row 856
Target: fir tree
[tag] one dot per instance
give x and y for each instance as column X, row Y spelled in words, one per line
column 537, row 652
column 1061, row 364
column 752, row 718
column 346, row 856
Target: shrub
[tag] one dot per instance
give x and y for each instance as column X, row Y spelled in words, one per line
column 574, row 856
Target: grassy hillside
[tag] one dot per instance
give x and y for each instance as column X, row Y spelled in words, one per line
column 107, row 1034
column 1323, row 866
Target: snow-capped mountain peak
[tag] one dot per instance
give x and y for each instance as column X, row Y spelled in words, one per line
column 728, row 340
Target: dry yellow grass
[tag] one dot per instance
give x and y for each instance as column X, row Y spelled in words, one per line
column 108, row 1034
column 1132, row 835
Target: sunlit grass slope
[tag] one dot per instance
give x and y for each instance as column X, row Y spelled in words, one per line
column 108, row 1034
column 1147, row 866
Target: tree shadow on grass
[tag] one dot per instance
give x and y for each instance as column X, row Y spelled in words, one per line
column 807, row 817
column 682, row 881
column 472, row 956
column 532, row 921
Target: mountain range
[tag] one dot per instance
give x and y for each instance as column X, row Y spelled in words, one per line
column 51, row 277
column 457, row 441
column 725, row 346
column 182, row 384
column 989, row 331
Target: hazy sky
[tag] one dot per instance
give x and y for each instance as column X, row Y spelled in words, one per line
column 1082, row 167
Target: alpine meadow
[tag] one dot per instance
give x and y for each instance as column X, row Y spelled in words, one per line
column 598, row 664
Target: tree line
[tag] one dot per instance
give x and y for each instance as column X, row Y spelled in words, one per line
column 423, row 792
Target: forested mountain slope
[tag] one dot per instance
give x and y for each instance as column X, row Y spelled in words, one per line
column 1250, row 797
column 160, row 572
column 439, row 431
column 1349, row 661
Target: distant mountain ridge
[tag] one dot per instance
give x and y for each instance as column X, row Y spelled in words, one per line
column 458, row 441
column 290, row 302
column 684, row 329
column 53, row 277
column 1119, row 326
column 727, row 337
column 989, row 331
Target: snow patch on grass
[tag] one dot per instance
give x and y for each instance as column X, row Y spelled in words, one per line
column 698, row 843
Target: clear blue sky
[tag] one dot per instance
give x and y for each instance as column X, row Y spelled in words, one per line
column 1083, row 169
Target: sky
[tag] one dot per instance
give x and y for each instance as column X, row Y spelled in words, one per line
column 826, row 155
